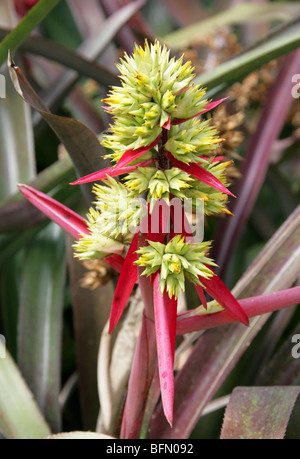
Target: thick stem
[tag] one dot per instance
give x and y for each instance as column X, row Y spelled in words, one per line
column 144, row 363
column 143, row 368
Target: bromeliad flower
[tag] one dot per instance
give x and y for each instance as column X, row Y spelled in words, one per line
column 176, row 260
column 159, row 184
column 189, row 141
column 164, row 154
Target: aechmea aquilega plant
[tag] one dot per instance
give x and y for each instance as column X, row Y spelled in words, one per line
column 164, row 152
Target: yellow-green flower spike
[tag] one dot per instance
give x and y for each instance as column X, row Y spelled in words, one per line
column 154, row 89
column 159, row 184
column 176, row 260
column 129, row 133
column 192, row 139
column 112, row 222
column 96, row 245
column 154, row 107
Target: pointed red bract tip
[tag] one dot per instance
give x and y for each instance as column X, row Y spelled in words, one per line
column 66, row 218
column 216, row 159
column 199, row 173
column 216, row 288
column 111, row 172
column 167, row 124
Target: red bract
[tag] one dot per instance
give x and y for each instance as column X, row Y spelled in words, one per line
column 112, row 172
column 156, row 225
column 199, row 173
column 66, row 218
column 201, row 295
column 218, row 290
column 127, row 279
column 23, row 6
column 188, row 322
column 165, row 313
column 167, row 124
column 165, row 309
column 69, row 221
column 131, row 155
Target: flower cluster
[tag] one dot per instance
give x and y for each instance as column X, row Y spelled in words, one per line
column 164, row 153
column 154, row 114
column 159, row 184
column 154, row 88
column 112, row 222
column 192, row 141
column 215, row 202
column 175, row 260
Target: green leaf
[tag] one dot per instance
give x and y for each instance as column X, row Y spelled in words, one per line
column 283, row 367
column 259, row 413
column 17, row 214
column 17, row 163
column 25, row 27
column 40, row 320
column 91, row 309
column 59, row 25
column 20, row 417
column 11, row 244
column 239, row 14
column 115, row 364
